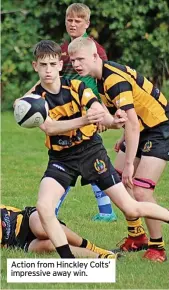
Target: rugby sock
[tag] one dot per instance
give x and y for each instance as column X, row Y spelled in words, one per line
column 135, row 228
column 107, row 256
column 65, row 252
column 87, row 244
column 92, row 247
column 103, row 201
column 61, row 201
column 157, row 244
column 84, row 243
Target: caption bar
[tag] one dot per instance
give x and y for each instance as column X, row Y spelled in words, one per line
column 61, row 270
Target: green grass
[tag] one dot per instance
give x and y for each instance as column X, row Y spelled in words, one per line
column 24, row 159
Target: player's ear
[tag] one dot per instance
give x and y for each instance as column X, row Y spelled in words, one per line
column 34, row 64
column 95, row 56
column 87, row 24
column 61, row 65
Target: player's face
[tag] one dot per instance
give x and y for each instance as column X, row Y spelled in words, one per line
column 75, row 26
column 48, row 68
column 83, row 62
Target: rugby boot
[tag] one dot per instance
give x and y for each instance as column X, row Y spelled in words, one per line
column 155, row 255
column 132, row 244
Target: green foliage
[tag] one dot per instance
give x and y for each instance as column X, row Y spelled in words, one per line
column 133, row 32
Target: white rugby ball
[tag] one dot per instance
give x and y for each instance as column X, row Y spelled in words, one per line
column 31, row 111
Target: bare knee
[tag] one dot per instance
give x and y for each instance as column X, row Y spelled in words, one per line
column 139, row 193
column 41, row 246
column 143, row 194
column 44, row 210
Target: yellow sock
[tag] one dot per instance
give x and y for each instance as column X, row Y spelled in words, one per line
column 156, row 245
column 90, row 246
column 107, row 256
column 135, row 228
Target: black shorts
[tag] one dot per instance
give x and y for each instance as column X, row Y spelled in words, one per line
column 25, row 236
column 89, row 160
column 153, row 142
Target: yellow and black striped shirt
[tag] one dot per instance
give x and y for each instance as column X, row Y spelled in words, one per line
column 11, row 220
column 122, row 87
column 70, row 103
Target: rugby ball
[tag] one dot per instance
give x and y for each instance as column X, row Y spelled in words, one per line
column 31, row 111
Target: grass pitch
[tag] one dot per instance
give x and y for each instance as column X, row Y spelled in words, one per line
column 24, row 159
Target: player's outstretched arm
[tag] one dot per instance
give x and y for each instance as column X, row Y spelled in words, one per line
column 53, row 127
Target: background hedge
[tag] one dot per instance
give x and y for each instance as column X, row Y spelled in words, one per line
column 135, row 33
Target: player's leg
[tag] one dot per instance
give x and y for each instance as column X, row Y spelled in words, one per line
column 106, row 212
column 136, row 239
column 45, row 246
column 134, row 209
column 41, row 246
column 147, row 175
column 96, row 166
column 154, row 148
column 75, row 240
column 50, row 192
column 37, row 229
column 85, row 253
column 61, row 201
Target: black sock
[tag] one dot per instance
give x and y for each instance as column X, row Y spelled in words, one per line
column 65, row 252
column 83, row 244
column 156, row 240
column 156, row 244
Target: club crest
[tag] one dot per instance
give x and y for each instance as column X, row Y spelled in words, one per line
column 100, row 166
column 147, row 146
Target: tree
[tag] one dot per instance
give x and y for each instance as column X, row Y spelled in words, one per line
column 133, row 32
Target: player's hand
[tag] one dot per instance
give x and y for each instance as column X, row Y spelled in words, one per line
column 101, row 128
column 95, row 116
column 47, row 126
column 127, row 175
column 118, row 144
column 120, row 118
column 121, row 114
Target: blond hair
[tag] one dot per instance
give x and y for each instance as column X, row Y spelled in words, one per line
column 82, row 42
column 79, row 9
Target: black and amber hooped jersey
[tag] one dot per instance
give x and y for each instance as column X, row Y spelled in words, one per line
column 11, row 219
column 68, row 104
column 122, row 87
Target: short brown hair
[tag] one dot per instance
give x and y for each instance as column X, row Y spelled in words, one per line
column 45, row 48
column 80, row 9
